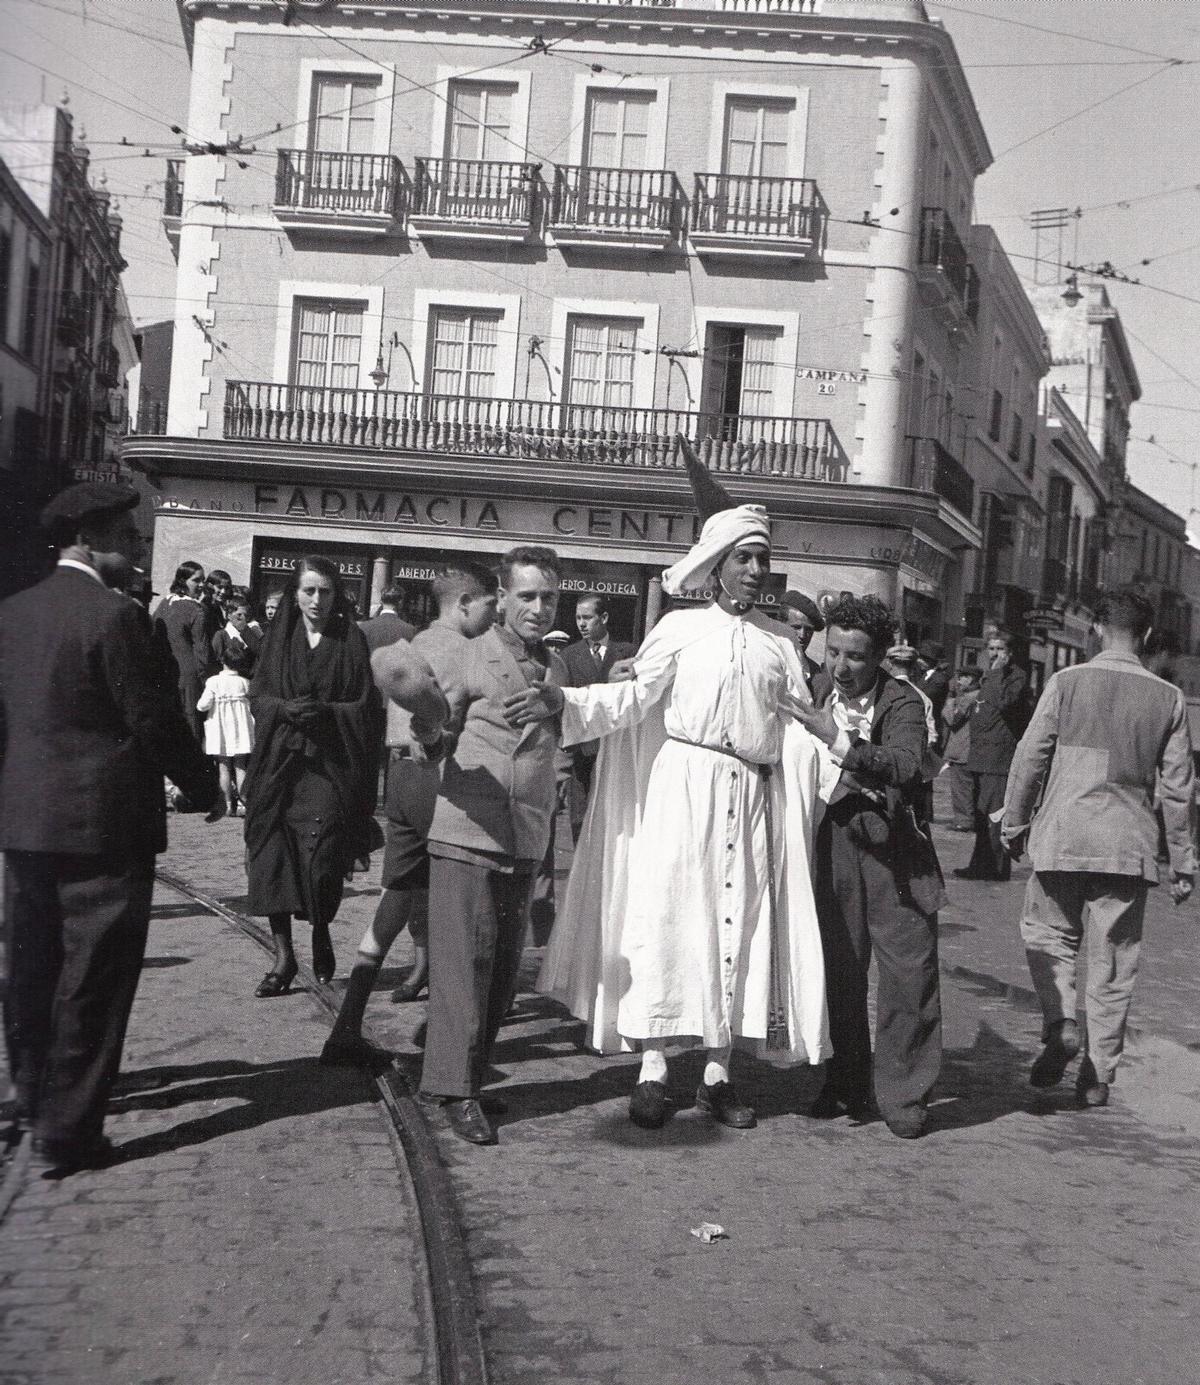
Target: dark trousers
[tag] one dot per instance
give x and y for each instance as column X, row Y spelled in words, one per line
column 858, row 909
column 962, row 796
column 76, row 934
column 989, row 860
column 476, row 932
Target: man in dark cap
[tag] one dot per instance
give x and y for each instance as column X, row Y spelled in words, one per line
column 89, row 724
column 803, row 616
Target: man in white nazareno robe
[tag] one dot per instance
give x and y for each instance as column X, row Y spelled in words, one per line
column 689, row 912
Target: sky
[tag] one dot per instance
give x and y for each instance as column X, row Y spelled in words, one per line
column 1089, row 104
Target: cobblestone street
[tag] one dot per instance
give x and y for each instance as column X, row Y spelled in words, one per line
column 262, row 1231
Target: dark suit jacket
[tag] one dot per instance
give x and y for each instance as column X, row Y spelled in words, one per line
column 583, row 671
column 890, row 764
column 935, row 684
column 91, row 723
column 997, row 721
column 385, row 628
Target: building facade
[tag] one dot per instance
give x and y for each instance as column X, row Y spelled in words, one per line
column 465, row 273
column 67, row 339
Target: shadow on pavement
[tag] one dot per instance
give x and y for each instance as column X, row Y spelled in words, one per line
column 263, row 1092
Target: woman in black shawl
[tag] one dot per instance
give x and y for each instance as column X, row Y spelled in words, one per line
column 310, row 786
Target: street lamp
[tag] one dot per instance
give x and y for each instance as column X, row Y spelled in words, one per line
column 1071, row 294
column 381, row 372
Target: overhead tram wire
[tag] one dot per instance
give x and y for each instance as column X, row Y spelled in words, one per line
column 1056, row 33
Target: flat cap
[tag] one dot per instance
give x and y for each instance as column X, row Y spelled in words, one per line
column 85, row 500
column 902, row 654
column 797, row 601
column 931, row 650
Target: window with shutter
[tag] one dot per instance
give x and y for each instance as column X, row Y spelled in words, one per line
column 326, row 343
column 462, row 353
column 600, row 360
column 479, row 121
column 342, row 119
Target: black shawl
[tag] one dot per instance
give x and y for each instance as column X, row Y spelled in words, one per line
column 343, row 742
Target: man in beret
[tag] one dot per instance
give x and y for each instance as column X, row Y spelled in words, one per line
column 89, row 724
column 933, row 676
column 803, row 617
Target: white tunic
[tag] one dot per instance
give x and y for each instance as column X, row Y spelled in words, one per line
column 666, row 929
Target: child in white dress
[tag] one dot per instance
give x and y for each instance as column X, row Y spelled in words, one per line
column 228, row 724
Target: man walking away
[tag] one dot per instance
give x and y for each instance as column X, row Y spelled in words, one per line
column 1082, row 788
column 996, row 725
column 91, row 722
column 387, row 626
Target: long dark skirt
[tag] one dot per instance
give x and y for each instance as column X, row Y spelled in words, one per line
column 302, row 866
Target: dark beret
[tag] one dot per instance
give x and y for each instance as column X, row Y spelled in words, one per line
column 86, row 500
column 797, row 601
column 931, row 650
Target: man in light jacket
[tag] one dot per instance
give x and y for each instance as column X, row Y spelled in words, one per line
column 1082, row 788
column 490, row 828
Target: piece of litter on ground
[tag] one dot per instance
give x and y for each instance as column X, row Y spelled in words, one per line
column 709, row 1231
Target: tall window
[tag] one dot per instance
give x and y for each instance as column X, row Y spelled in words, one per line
column 342, row 119
column 739, row 373
column 600, row 357
column 617, row 130
column 756, row 136
column 326, row 343
column 480, row 121
column 33, row 309
column 462, row 353
column 6, row 276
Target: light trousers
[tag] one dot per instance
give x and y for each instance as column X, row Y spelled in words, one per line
column 1058, row 906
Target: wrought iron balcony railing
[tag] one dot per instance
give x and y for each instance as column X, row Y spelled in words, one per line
column 618, row 200
column 935, row 469
column 74, row 314
column 310, row 180
column 941, row 248
column 586, row 434
column 475, row 190
column 734, row 204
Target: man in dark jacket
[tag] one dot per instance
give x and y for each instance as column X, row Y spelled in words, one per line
column 997, row 722
column 589, row 660
column 933, row 676
column 878, row 884
column 387, row 626
column 91, row 723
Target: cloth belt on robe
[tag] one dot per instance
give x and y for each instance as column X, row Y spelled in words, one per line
column 764, row 770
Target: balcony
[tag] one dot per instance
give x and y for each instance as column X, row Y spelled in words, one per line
column 946, row 277
column 474, row 199
column 616, row 207
column 344, row 193
column 744, row 217
column 933, row 468
column 584, row 434
column 74, row 319
column 172, row 208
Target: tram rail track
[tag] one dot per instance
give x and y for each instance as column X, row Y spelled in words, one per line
column 458, row 1357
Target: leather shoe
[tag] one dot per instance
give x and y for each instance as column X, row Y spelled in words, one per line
column 492, row 1105
column 720, row 1102
column 1089, row 1090
column 58, row 1161
column 1062, row 1044
column 648, row 1105
column 466, row 1119
column 908, row 1123
column 828, row 1106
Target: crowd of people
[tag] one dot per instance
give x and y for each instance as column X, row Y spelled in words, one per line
column 751, row 826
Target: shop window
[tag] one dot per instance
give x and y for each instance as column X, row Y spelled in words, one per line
column 326, row 343
column 479, row 123
column 462, row 352
column 342, row 114
column 600, row 361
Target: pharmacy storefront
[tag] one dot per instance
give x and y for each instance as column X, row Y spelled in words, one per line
column 614, row 532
